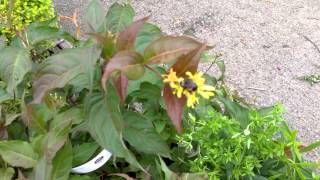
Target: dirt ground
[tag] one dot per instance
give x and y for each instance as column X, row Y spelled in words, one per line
column 264, row 47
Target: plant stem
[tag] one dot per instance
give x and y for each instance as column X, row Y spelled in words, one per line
column 153, row 70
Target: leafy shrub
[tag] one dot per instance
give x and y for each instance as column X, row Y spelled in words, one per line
column 128, row 88
column 227, row 151
column 16, row 14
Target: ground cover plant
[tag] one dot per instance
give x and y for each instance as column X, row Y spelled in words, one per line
column 137, row 92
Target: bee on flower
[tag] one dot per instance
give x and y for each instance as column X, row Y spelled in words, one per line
column 192, row 86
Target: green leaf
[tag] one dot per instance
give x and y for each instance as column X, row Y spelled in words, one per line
column 169, row 175
column 6, row 174
column 168, row 48
column 149, row 77
column 2, row 42
column 37, row 34
column 10, row 118
column 83, row 177
column 18, row 153
column 42, row 170
column 148, row 91
column 146, row 35
column 93, row 15
column 311, row 147
column 236, row 111
column 127, row 37
column 58, row 133
column 62, row 163
column 83, row 152
column 4, row 95
column 15, row 63
column 105, row 123
column 72, row 66
column 37, row 117
column 134, row 72
column 118, row 17
column 140, row 133
column 222, row 68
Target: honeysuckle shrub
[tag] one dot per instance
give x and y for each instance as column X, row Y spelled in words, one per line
column 137, row 92
column 17, row 14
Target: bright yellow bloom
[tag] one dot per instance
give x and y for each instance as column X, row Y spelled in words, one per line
column 171, row 77
column 180, row 86
column 204, row 90
column 192, row 99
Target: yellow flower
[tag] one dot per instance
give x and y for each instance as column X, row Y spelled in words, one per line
column 171, row 77
column 196, row 78
column 192, row 99
column 204, row 90
column 191, row 87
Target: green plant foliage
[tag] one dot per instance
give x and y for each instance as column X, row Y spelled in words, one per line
column 264, row 149
column 60, row 107
column 16, row 14
column 312, row 79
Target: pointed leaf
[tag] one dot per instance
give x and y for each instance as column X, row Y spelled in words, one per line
column 93, row 15
column 105, row 123
column 127, row 37
column 236, row 111
column 18, row 153
column 140, row 133
column 42, row 170
column 37, row 34
column 15, row 63
column 72, row 66
column 311, row 147
column 83, row 152
column 121, row 85
column 118, row 63
column 62, row 163
column 106, row 41
column 118, row 17
column 6, row 174
column 175, row 107
column 37, row 116
column 169, row 48
column 58, row 132
column 146, row 35
column 189, row 62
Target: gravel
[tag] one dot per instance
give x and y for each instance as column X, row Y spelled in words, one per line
column 263, row 46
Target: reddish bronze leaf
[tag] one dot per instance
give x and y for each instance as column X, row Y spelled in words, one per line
column 121, row 85
column 174, row 107
column 189, row 62
column 128, row 36
column 118, row 63
column 169, row 48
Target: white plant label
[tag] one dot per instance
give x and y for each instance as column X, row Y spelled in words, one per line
column 93, row 164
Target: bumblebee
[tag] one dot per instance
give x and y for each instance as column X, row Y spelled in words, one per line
column 189, row 85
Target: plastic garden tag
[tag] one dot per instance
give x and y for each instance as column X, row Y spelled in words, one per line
column 93, row 164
